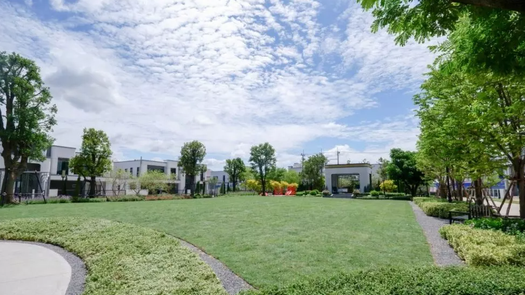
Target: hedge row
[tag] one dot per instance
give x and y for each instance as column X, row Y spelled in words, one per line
column 412, row 281
column 438, row 208
column 479, row 247
column 121, row 258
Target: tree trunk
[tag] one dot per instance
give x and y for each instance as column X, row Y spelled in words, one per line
column 449, row 196
column 234, row 184
column 92, row 186
column 192, row 185
column 413, row 190
column 10, row 186
column 478, row 190
column 263, row 184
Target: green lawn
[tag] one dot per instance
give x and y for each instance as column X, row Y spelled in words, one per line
column 272, row 240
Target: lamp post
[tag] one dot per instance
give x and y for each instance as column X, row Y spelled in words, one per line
column 64, row 179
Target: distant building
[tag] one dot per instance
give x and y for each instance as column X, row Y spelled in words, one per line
column 297, row 167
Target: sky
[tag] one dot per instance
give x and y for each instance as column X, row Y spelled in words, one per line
column 304, row 75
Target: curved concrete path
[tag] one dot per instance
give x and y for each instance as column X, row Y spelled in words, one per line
column 28, row 269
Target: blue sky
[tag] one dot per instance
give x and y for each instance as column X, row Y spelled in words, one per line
column 301, row 74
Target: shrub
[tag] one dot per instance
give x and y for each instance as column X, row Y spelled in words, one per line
column 299, row 194
column 479, row 247
column 48, row 201
column 126, row 199
column 388, row 186
column 442, row 209
column 314, row 192
column 509, row 226
column 356, row 192
column 410, row 281
column 326, row 193
column 160, row 197
column 207, row 196
column 395, row 194
column 375, row 193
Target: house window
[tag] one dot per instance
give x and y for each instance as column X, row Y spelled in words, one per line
column 63, row 164
column 155, row 168
column 131, row 170
column 126, row 170
column 173, row 171
column 138, row 171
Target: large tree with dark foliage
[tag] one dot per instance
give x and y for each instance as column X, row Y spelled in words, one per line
column 235, row 168
column 27, row 117
column 262, row 159
column 402, row 168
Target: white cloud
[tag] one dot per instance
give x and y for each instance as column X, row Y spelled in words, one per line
column 155, row 74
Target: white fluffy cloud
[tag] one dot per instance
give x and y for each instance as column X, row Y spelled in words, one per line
column 155, row 73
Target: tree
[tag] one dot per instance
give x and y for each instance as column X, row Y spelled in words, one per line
column 134, row 184
column 277, row 174
column 495, row 40
column 94, row 158
column 313, row 171
column 192, row 155
column 388, row 186
column 262, row 159
column 154, row 181
column 402, row 168
column 27, row 117
column 235, row 168
column 382, row 171
column 119, row 179
column 213, row 182
column 291, row 176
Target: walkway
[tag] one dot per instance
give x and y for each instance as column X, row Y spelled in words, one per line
column 514, row 209
column 443, row 254
column 28, row 269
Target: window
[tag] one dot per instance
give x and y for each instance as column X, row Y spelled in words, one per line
column 138, row 171
column 156, row 168
column 173, row 171
column 131, row 170
column 63, row 164
column 126, row 170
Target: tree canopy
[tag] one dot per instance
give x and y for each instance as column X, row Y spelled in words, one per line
column 403, row 169
column 263, row 160
column 313, row 171
column 291, row 176
column 235, row 169
column 496, row 28
column 94, row 158
column 191, row 156
column 27, row 116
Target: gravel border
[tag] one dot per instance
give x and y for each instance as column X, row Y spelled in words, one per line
column 443, row 254
column 78, row 268
column 231, row 282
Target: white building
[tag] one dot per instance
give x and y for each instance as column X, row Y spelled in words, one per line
column 361, row 173
column 297, row 167
column 51, row 176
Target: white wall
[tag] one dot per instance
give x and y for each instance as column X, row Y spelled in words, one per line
column 363, row 172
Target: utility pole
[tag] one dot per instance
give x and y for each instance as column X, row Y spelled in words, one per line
column 302, row 158
column 338, row 156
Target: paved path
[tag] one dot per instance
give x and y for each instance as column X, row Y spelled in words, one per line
column 443, row 254
column 230, row 281
column 28, row 269
column 514, row 209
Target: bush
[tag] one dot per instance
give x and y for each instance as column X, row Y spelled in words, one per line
column 395, row 194
column 160, row 198
column 356, row 193
column 508, row 226
column 48, row 201
column 479, row 247
column 442, row 209
column 126, row 199
column 410, row 281
column 375, row 193
column 326, row 193
column 314, row 192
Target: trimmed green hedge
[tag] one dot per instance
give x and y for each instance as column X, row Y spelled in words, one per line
column 413, row 281
column 440, row 208
column 479, row 247
column 121, row 258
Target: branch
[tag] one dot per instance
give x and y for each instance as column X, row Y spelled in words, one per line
column 516, row 5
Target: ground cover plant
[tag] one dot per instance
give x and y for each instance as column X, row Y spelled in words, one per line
column 272, row 240
column 480, row 247
column 121, row 258
column 411, row 281
column 509, row 226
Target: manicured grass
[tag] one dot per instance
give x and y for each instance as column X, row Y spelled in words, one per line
column 121, row 258
column 412, row 281
column 273, row 240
